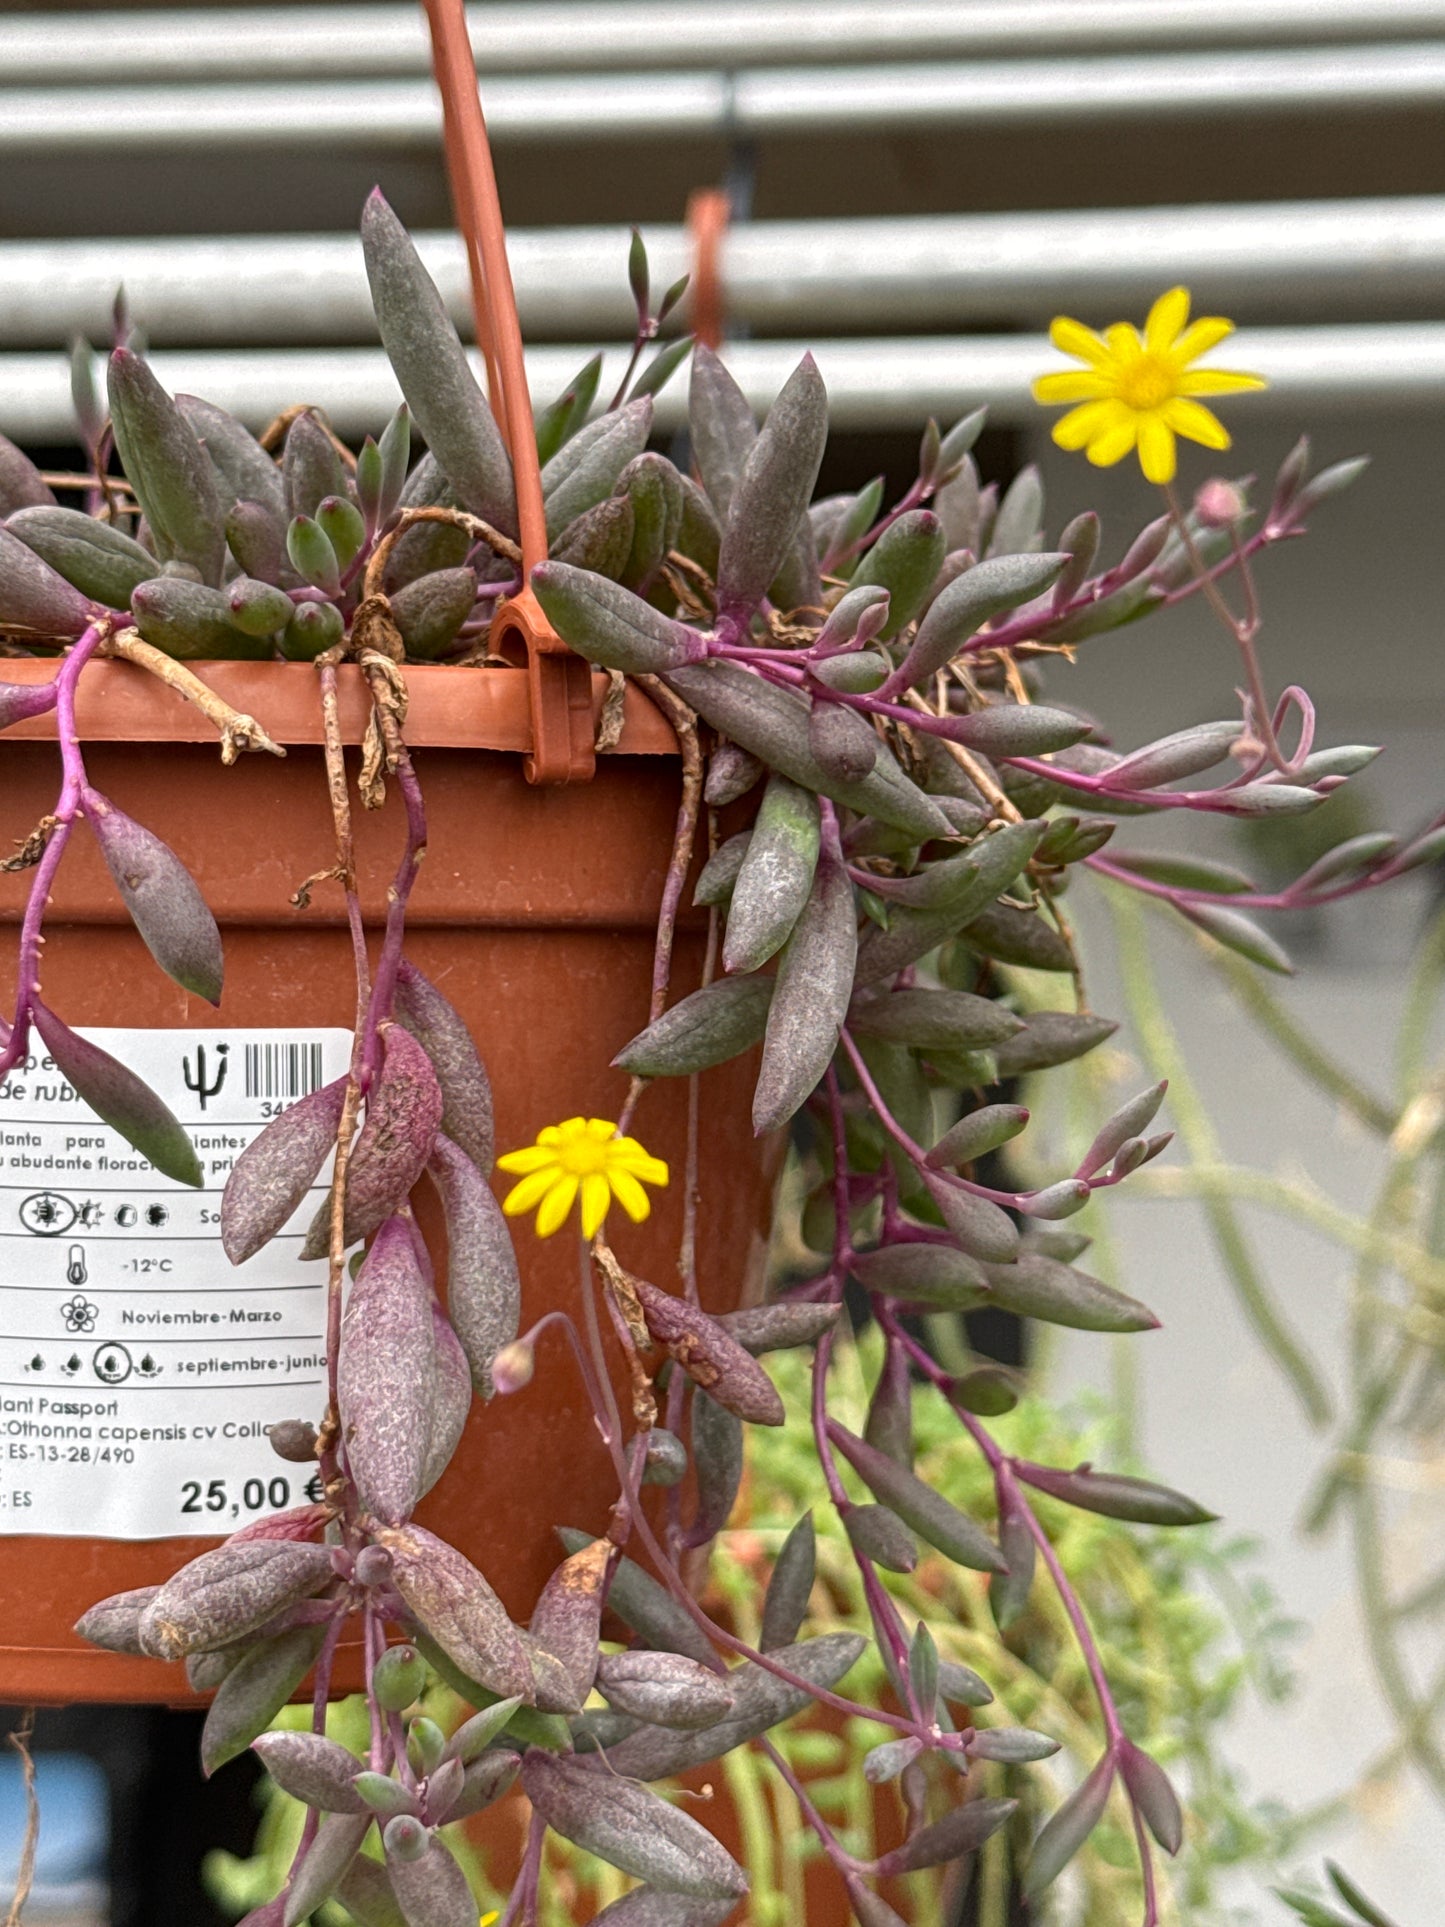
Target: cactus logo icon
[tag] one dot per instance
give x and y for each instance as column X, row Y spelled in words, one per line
column 197, row 1081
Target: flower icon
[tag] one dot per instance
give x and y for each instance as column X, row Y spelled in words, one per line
column 79, row 1314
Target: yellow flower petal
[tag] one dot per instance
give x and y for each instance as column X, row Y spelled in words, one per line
column 599, row 1129
column 1126, row 344
column 630, row 1195
column 1200, row 336
column 1071, row 384
column 1071, row 337
column 1193, row 421
column 550, row 1134
column 531, row 1158
column 1115, row 442
column 556, row 1205
column 650, row 1170
column 520, row 1199
column 1218, row 381
column 572, row 1127
column 1166, row 321
column 1083, row 424
column 596, row 1196
column 1156, row 448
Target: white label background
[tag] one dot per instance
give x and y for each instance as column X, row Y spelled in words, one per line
column 139, row 1368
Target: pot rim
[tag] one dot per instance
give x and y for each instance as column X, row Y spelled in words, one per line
column 451, row 707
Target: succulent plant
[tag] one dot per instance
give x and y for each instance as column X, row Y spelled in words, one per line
column 871, row 678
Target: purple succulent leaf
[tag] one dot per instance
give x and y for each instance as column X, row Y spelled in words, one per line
column 161, row 895
column 453, row 1400
column 403, row 1113
column 311, row 1768
column 1149, row 1788
column 484, row 1287
column 630, row 1827
column 277, row 1169
column 710, row 1356
column 1068, row 1827
column 119, row 1097
column 567, row 1618
column 18, row 700
column 386, row 1376
column 962, row 1831
column 236, row 1589
column 35, row 602
column 253, row 1692
column 666, row 1689
column 431, row 1889
column 454, row 1605
column 337, row 1843
column 114, row 1624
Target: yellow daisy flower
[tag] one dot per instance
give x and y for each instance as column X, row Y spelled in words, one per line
column 1138, row 391
column 583, row 1155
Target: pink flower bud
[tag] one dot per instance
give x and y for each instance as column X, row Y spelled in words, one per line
column 1219, row 504
column 513, row 1366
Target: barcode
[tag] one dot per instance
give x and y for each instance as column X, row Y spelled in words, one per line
column 282, row 1070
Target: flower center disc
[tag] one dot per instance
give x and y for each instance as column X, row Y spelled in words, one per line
column 1148, row 384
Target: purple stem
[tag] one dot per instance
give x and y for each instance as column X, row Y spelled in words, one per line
column 384, row 986
column 73, row 783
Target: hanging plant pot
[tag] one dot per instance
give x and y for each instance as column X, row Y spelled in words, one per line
column 138, row 1368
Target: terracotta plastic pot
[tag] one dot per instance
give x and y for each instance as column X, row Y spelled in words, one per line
column 534, row 910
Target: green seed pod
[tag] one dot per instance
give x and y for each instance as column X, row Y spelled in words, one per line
column 258, row 608
column 344, row 527
column 167, row 467
column 399, row 1678
column 191, row 622
column 904, row 561
column 94, row 558
column 431, row 610
column 314, row 628
column 974, row 1136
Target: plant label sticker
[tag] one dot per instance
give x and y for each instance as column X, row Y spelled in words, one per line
column 139, row 1368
